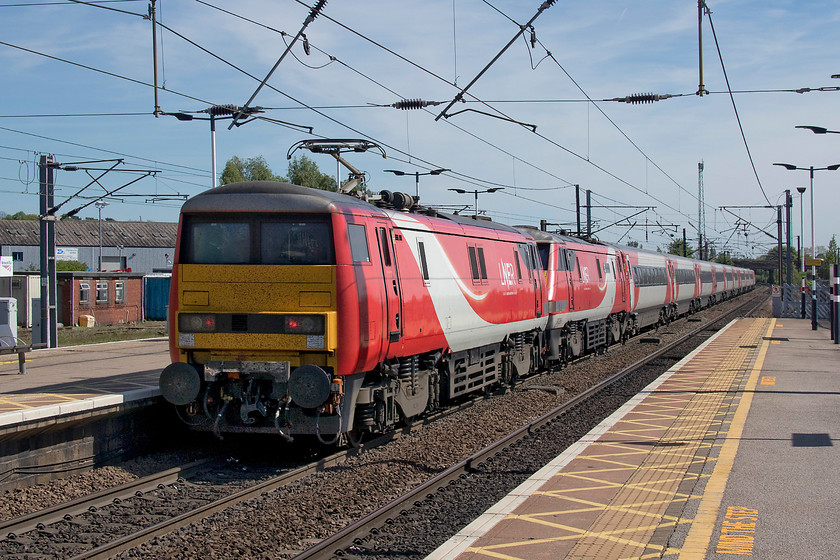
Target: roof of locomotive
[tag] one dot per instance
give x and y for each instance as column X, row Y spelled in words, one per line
column 265, row 196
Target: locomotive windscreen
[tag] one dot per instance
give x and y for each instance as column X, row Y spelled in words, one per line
column 257, row 240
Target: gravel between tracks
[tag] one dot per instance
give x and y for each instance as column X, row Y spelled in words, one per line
column 285, row 522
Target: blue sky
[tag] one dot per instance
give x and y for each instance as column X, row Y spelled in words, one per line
column 368, row 54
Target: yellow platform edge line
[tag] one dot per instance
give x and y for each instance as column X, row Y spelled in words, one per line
column 699, row 536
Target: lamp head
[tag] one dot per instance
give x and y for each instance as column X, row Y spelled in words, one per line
column 395, row 171
column 814, row 129
column 787, row 166
column 834, row 167
column 800, row 189
column 438, row 171
column 494, row 189
column 459, row 191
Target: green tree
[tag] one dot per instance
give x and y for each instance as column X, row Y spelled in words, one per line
column 71, row 265
column 724, row 258
column 252, row 169
column 676, row 248
column 21, row 216
column 304, row 172
column 830, row 257
column 634, row 243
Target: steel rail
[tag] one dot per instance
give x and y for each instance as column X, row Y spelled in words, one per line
column 135, row 539
column 10, row 528
column 351, row 534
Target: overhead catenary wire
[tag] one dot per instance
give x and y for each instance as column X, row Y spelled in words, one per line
column 520, row 188
column 506, row 116
column 735, row 108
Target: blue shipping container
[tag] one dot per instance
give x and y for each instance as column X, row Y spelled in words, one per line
column 156, row 296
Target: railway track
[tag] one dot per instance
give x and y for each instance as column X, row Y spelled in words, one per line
column 351, row 540
column 148, row 487
column 140, row 488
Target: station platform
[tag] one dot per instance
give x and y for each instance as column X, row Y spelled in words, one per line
column 63, row 382
column 729, row 453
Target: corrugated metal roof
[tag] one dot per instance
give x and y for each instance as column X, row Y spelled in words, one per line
column 85, row 233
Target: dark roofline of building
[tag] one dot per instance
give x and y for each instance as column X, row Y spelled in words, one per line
column 85, row 233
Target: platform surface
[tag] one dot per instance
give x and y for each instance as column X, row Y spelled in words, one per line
column 732, row 452
column 62, row 381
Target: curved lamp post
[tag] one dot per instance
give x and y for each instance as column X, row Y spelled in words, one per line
column 811, row 169
column 476, row 193
column 416, row 174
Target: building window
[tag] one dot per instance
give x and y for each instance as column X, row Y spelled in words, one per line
column 84, row 292
column 119, row 292
column 102, row 292
column 17, row 256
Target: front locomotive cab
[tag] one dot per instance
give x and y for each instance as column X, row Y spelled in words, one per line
column 253, row 335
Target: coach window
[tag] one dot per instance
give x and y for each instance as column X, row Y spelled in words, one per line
column 544, row 250
column 482, row 267
column 570, row 260
column 424, row 267
column 296, row 242
column 518, row 266
column 473, row 263
column 384, row 247
column 358, row 243
column 598, row 266
column 102, row 292
column 84, row 292
column 577, row 264
column 218, row 243
column 119, row 292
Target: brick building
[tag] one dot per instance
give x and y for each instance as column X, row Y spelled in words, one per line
column 110, row 297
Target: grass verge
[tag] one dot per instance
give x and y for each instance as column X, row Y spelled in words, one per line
column 75, row 336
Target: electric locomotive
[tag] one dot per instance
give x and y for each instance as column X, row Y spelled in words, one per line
column 303, row 312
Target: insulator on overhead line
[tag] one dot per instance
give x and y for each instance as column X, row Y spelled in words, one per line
column 315, row 11
column 407, row 104
column 217, row 110
column 638, row 98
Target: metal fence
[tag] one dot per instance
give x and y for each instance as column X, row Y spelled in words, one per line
column 788, row 303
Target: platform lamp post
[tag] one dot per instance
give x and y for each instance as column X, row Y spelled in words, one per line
column 100, row 204
column 812, row 169
column 417, row 175
column 476, row 193
column 801, row 191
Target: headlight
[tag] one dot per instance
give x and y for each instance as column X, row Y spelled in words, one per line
column 196, row 322
column 303, row 324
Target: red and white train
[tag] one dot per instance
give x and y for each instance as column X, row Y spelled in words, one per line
column 298, row 311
